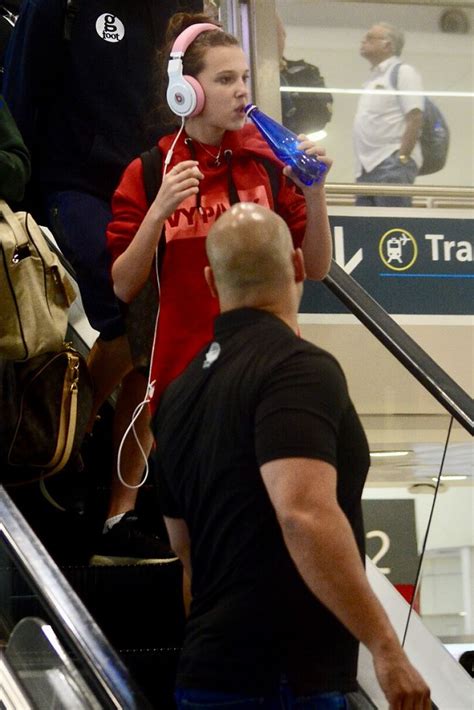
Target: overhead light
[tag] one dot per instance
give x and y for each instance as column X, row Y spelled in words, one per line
column 317, row 135
column 451, row 478
column 388, row 454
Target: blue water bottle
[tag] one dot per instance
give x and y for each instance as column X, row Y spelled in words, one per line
column 284, row 144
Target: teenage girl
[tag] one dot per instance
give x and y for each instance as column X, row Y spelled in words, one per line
column 212, row 161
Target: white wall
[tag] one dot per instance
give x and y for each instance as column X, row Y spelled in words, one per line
column 447, row 582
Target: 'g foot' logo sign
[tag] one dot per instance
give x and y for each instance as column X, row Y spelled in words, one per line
column 398, row 249
column 110, row 28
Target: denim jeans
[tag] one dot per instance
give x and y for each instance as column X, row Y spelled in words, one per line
column 284, row 700
column 79, row 222
column 391, row 171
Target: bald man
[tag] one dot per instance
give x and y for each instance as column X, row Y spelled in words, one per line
column 261, row 463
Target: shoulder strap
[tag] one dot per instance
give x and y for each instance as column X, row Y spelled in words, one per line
column 152, row 166
column 273, row 173
column 394, row 75
column 394, row 81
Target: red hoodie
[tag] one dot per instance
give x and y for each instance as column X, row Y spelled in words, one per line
column 187, row 309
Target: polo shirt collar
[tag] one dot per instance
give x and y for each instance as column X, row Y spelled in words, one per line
column 381, row 68
column 229, row 321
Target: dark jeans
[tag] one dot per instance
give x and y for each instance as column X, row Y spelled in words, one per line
column 390, row 171
column 284, row 700
column 79, row 222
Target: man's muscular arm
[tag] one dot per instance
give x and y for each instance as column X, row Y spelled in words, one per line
column 321, row 543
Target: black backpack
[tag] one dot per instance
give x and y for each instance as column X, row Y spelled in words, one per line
column 304, row 112
column 434, row 137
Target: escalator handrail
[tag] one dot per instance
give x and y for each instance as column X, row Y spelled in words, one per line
column 67, row 611
column 428, row 373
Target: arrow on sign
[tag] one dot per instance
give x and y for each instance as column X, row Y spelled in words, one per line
column 339, row 252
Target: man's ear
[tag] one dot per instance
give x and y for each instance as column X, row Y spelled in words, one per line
column 298, row 265
column 209, row 276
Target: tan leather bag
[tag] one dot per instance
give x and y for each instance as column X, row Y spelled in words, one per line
column 48, row 409
column 35, row 291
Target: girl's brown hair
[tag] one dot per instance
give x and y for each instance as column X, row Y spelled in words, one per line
column 193, row 60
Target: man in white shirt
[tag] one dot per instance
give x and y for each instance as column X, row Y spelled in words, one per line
column 387, row 126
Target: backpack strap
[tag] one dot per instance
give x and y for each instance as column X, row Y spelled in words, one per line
column 141, row 313
column 393, row 78
column 394, row 75
column 273, row 173
column 152, row 165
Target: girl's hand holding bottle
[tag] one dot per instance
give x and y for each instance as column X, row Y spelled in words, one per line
column 310, row 148
column 298, row 153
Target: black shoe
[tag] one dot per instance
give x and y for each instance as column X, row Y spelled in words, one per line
column 127, row 544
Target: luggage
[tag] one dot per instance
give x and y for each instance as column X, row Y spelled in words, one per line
column 48, row 409
column 45, row 386
column 36, row 291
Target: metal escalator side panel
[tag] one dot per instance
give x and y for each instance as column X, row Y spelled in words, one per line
column 451, row 687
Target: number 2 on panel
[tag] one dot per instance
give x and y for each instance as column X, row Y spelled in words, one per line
column 384, row 548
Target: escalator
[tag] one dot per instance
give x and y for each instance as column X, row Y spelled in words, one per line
column 52, row 652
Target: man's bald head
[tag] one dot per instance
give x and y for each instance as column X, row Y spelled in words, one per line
column 250, row 253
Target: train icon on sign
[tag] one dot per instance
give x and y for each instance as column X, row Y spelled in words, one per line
column 398, row 249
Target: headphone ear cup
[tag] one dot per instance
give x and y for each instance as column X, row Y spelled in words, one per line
column 181, row 96
column 199, row 94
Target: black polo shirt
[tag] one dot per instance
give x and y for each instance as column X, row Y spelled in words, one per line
column 256, row 394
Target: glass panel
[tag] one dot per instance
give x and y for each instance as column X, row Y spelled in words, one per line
column 44, row 669
column 447, row 580
column 407, row 432
column 45, row 631
column 416, row 263
column 438, row 44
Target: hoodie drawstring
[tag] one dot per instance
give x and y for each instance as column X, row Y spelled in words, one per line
column 232, row 190
column 233, row 194
column 192, row 150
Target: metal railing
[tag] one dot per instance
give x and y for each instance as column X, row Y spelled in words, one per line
column 107, row 675
column 429, row 196
column 435, row 380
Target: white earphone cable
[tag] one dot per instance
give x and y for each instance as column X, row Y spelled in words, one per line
column 169, row 154
column 150, row 385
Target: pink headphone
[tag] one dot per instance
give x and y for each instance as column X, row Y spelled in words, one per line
column 185, row 95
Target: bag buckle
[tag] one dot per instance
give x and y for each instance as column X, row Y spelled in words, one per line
column 20, row 253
